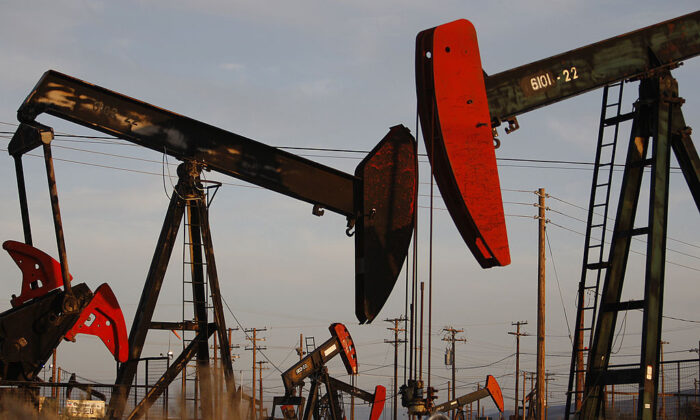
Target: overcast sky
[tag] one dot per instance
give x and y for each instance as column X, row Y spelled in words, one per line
column 329, row 75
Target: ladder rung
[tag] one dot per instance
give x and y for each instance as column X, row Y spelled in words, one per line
column 595, row 246
column 619, row 376
column 618, row 119
column 623, row 306
column 598, row 266
column 604, row 184
column 608, row 144
column 606, row 163
column 590, row 287
column 642, row 163
column 600, row 204
column 597, row 225
column 635, row 232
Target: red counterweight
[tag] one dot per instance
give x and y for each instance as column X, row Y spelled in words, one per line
column 103, row 318
column 40, row 272
column 454, row 115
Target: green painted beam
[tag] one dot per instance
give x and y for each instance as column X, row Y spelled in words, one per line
column 556, row 78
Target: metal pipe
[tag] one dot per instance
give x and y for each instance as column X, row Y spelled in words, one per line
column 420, row 364
column 58, row 226
column 23, row 206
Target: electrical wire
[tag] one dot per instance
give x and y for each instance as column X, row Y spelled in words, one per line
column 247, row 335
column 631, row 250
column 361, row 151
column 612, row 219
column 556, row 277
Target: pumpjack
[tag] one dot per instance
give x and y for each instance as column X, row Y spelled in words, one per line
column 378, row 201
column 460, row 107
column 412, row 397
column 313, row 367
column 43, row 314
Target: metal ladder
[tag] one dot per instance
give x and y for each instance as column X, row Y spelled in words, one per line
column 594, row 265
column 310, row 344
column 195, row 293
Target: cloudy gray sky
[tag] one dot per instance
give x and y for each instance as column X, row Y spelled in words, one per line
column 333, row 75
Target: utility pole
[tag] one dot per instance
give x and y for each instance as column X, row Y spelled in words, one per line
column 260, row 369
column 451, row 337
column 540, row 306
column 478, row 402
column 524, row 393
column 395, row 342
column 517, row 335
column 254, row 339
column 352, row 399
column 547, row 377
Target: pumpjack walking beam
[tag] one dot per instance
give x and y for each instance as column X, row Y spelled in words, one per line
column 378, row 199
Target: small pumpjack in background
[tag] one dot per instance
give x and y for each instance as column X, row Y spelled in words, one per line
column 412, row 398
column 313, row 367
column 43, row 314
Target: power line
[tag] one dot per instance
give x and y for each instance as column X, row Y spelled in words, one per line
column 363, row 152
column 610, row 218
column 631, row 250
column 556, row 277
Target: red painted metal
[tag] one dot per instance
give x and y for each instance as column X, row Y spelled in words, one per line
column 348, row 354
column 495, row 392
column 456, row 124
column 40, row 272
column 103, row 318
column 378, row 403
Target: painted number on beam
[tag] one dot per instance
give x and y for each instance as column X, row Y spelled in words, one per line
column 544, row 80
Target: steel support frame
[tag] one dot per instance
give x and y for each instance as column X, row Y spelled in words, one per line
column 170, row 374
column 312, row 403
column 187, row 196
column 658, row 115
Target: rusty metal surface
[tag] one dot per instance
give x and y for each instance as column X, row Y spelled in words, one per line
column 33, row 330
column 387, row 202
column 556, row 78
column 110, row 112
column 379, row 199
column 454, row 115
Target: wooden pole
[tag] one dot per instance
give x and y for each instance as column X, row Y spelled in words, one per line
column 540, row 307
column 254, row 353
column 517, row 335
column 260, row 369
column 478, row 402
column 395, row 342
column 255, row 349
column 524, row 381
